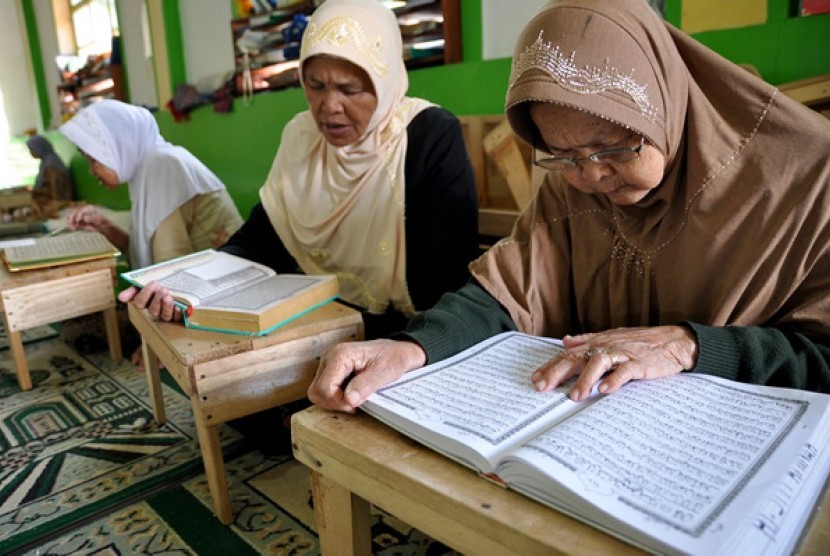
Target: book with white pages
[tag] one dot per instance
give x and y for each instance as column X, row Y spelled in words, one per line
column 688, row 464
column 222, row 292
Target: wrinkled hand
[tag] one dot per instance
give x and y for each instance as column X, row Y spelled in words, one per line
column 155, row 298
column 87, row 218
column 350, row 372
column 628, row 353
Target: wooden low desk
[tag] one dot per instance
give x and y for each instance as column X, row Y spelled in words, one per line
column 356, row 460
column 228, row 376
column 16, row 197
column 31, row 298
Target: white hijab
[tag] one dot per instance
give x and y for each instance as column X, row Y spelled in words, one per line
column 161, row 177
column 340, row 210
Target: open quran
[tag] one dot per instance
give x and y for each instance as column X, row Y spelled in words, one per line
column 222, row 292
column 688, row 464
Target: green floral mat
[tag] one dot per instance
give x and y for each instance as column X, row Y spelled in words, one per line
column 271, row 501
column 82, row 442
column 84, row 471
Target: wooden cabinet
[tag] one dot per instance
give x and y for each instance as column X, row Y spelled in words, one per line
column 266, row 47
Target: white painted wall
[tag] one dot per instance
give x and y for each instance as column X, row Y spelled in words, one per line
column 208, row 49
column 502, row 22
column 137, row 52
column 20, row 103
column 208, row 44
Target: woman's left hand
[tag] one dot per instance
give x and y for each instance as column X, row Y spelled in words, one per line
column 628, row 353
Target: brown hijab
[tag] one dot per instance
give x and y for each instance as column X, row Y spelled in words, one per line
column 737, row 233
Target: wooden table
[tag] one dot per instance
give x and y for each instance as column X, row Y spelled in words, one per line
column 228, row 376
column 356, row 460
column 31, row 298
column 16, row 197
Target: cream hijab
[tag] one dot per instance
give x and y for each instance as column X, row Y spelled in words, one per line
column 340, row 210
column 161, row 177
column 738, row 232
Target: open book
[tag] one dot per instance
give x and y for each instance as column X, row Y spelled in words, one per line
column 685, row 464
column 223, row 292
column 67, row 248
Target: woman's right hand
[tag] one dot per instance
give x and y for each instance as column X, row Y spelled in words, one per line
column 155, row 298
column 87, row 218
column 349, row 372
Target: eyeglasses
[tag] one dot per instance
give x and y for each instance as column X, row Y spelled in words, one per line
column 611, row 156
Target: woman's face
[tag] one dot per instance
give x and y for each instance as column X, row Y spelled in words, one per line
column 105, row 174
column 569, row 132
column 341, row 98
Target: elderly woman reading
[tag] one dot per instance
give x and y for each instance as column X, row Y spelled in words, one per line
column 683, row 224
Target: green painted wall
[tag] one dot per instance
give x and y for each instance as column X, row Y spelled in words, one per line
column 240, row 146
column 784, row 49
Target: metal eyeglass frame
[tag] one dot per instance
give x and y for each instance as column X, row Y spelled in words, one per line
column 567, row 162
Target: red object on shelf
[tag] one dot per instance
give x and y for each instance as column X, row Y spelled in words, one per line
column 815, row 7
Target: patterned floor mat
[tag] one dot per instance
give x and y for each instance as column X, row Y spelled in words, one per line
column 82, row 441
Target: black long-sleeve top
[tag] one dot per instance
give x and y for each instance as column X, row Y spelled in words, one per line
column 440, row 218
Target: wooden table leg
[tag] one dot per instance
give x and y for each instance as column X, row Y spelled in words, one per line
column 113, row 337
column 214, row 466
column 153, row 371
column 19, row 358
column 343, row 521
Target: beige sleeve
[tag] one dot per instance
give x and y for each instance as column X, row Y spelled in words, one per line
column 171, row 238
column 203, row 222
column 214, row 218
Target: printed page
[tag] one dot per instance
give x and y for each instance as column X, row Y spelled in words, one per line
column 70, row 245
column 200, row 276
column 680, row 460
column 6, row 244
column 777, row 524
column 475, row 405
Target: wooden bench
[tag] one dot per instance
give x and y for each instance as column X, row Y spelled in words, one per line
column 813, row 92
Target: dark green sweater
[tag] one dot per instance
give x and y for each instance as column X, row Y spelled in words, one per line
column 771, row 355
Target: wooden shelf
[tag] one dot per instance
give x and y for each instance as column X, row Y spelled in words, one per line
column 74, row 95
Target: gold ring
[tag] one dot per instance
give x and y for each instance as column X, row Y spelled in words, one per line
column 612, row 355
column 593, row 351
